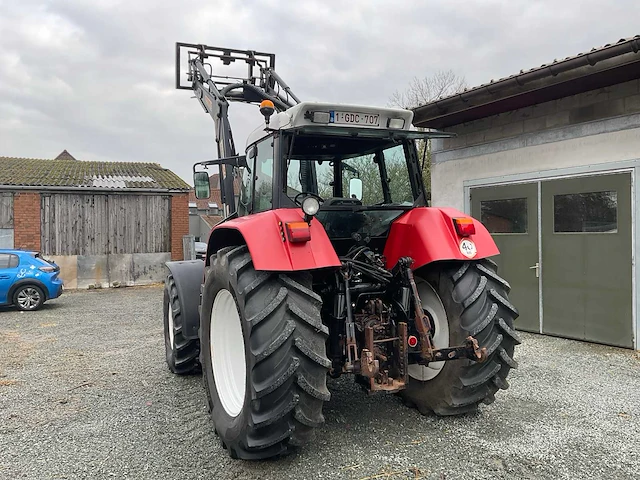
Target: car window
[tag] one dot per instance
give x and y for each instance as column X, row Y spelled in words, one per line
column 8, row 261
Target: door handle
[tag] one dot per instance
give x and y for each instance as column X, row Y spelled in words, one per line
column 5, row 277
column 536, row 267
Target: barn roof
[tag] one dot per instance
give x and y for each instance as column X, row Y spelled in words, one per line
column 66, row 172
column 600, row 67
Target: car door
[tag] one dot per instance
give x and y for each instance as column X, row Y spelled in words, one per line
column 8, row 271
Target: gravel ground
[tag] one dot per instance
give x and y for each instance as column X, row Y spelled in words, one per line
column 85, row 393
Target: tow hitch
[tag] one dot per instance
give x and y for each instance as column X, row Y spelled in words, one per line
column 428, row 353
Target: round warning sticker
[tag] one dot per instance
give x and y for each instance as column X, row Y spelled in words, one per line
column 468, row 248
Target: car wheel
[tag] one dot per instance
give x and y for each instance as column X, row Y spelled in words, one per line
column 28, row 298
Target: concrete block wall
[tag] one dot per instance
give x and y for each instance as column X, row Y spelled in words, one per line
column 179, row 223
column 26, row 220
column 117, row 270
column 617, row 100
column 448, row 177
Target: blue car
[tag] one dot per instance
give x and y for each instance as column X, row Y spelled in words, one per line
column 27, row 280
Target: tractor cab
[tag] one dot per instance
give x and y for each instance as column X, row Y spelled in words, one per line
column 359, row 164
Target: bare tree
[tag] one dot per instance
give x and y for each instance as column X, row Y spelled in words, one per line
column 421, row 91
column 424, row 90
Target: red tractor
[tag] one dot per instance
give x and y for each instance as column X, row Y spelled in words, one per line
column 328, row 262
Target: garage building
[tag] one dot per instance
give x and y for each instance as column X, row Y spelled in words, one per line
column 549, row 160
column 104, row 223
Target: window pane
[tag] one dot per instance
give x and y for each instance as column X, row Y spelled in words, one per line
column 264, row 176
column 364, row 168
column 504, row 216
column 14, row 261
column 4, row 260
column 244, row 198
column 586, row 212
column 398, row 174
column 324, row 174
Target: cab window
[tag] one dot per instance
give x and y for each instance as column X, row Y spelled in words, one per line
column 263, row 175
column 244, row 197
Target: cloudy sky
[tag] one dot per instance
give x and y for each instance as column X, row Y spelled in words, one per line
column 96, row 77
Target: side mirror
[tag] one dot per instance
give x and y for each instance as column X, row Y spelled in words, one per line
column 201, row 184
column 355, row 188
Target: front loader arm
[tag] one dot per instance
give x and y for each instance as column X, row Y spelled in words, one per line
column 214, row 92
column 217, row 106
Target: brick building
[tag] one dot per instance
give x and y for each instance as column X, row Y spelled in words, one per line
column 205, row 213
column 549, row 160
column 104, row 223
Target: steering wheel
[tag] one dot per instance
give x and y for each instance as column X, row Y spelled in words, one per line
column 307, row 194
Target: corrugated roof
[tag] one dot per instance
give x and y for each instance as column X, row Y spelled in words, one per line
column 600, row 67
column 34, row 172
column 543, row 66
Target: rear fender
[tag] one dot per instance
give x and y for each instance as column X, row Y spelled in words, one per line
column 428, row 234
column 270, row 249
column 188, row 276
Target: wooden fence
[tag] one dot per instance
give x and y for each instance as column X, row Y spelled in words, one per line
column 98, row 224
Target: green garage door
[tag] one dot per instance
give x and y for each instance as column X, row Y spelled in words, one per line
column 586, row 258
column 510, row 213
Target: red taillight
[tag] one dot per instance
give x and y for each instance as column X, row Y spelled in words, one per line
column 298, row 232
column 464, row 226
column 412, row 341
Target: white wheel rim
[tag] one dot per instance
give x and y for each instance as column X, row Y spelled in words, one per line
column 432, row 305
column 170, row 326
column 226, row 344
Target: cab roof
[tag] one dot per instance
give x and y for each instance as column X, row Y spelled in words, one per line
column 333, row 114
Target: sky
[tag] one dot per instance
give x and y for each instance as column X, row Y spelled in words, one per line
column 97, row 77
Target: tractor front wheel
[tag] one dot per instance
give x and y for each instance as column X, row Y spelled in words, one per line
column 263, row 356
column 464, row 299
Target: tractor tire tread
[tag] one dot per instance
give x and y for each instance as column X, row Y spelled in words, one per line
column 477, row 295
column 287, row 362
column 185, row 357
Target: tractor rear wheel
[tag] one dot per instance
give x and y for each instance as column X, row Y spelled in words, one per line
column 263, row 356
column 181, row 353
column 473, row 301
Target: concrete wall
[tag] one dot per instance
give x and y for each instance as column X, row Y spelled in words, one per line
column 102, row 271
column 621, row 99
column 594, row 127
column 198, row 227
column 447, row 177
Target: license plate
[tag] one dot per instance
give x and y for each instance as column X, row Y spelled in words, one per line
column 355, row 118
